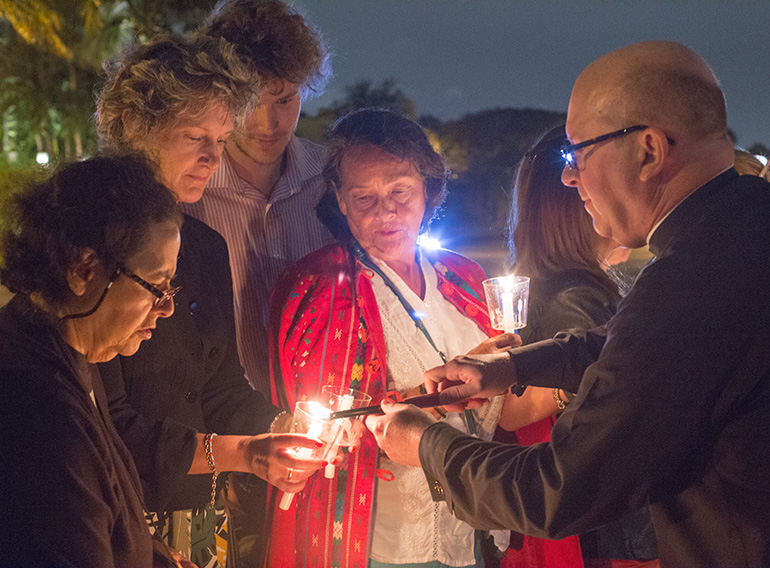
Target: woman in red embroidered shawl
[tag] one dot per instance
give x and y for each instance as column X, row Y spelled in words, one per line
column 373, row 312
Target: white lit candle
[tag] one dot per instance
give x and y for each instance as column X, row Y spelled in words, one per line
column 346, row 403
column 315, row 429
column 509, row 315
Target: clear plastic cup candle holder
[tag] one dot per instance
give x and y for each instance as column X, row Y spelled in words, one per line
column 312, row 418
column 507, row 300
column 342, row 398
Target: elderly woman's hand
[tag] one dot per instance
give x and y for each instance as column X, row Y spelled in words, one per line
column 496, row 344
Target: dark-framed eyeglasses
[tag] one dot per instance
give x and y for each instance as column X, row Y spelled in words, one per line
column 568, row 151
column 98, row 303
column 161, row 297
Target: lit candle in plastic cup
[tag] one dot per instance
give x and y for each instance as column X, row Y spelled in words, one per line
column 311, row 418
column 507, row 300
column 342, row 398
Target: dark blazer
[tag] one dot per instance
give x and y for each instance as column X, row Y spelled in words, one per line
column 186, row 379
column 72, row 494
column 673, row 400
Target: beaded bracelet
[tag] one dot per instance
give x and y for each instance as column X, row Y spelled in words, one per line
column 275, row 420
column 212, row 466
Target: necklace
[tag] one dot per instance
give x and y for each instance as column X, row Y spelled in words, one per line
column 242, row 151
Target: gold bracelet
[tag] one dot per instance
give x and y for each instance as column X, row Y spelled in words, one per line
column 562, row 404
column 212, row 466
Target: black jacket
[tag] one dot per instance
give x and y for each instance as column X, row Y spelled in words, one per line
column 186, row 379
column 569, row 299
column 71, row 493
column 673, row 400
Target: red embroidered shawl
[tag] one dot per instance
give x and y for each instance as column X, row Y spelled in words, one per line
column 326, row 329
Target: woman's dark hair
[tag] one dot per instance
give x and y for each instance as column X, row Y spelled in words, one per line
column 104, row 204
column 391, row 133
column 551, row 231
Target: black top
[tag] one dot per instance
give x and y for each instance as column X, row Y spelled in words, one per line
column 186, row 379
column 579, row 299
column 71, row 494
column 672, row 405
column 563, row 300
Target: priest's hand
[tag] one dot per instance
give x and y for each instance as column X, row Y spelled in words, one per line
column 469, row 381
column 399, row 430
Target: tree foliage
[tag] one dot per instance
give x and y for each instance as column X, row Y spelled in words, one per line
column 365, row 93
column 37, row 24
column 483, row 150
column 361, row 94
column 51, row 55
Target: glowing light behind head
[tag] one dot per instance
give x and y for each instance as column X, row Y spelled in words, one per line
column 428, row 242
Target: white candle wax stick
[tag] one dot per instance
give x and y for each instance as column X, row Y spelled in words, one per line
column 345, row 404
column 509, row 318
column 314, row 430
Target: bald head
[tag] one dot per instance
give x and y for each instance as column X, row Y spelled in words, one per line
column 656, row 83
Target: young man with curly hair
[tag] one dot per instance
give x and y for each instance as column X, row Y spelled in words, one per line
column 262, row 200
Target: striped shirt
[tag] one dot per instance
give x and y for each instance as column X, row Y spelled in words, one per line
column 264, row 237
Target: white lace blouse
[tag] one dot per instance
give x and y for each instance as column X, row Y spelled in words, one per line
column 408, row 526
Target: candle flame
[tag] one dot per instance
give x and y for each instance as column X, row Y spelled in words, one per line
column 318, row 410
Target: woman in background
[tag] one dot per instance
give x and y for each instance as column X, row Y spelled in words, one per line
column 554, row 243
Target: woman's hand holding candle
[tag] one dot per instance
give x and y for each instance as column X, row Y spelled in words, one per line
column 283, row 460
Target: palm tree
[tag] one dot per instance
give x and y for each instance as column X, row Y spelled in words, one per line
column 36, row 23
column 50, row 59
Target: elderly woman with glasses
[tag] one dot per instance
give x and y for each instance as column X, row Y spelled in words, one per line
column 372, row 312
column 90, row 255
column 177, row 101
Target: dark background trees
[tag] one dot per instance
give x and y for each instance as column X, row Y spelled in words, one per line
column 51, row 56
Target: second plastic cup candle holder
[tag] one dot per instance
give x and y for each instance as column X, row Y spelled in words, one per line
column 343, row 398
column 507, row 300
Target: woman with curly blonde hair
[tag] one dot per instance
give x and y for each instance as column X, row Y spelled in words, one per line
column 177, row 102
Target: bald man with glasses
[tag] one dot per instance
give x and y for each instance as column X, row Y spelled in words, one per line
column 673, row 394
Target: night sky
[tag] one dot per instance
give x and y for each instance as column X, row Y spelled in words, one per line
column 453, row 57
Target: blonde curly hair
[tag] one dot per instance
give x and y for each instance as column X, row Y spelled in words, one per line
column 149, row 87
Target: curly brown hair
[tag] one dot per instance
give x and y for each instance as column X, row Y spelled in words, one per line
column 106, row 204
column 276, row 41
column 151, row 86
